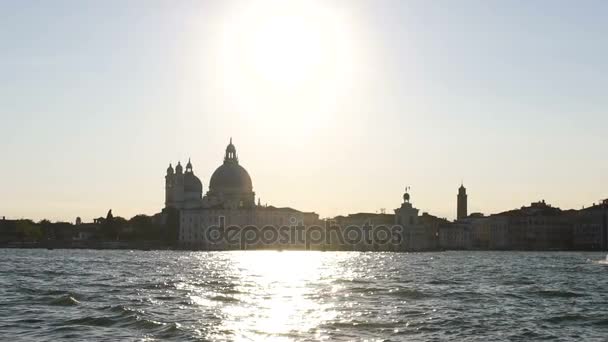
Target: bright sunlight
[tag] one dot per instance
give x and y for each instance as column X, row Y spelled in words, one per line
column 286, row 60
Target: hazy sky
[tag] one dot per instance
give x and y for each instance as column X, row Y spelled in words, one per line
column 334, row 106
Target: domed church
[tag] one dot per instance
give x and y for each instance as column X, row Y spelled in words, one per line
column 230, row 199
column 230, row 184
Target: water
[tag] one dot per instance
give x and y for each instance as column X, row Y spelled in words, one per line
column 165, row 295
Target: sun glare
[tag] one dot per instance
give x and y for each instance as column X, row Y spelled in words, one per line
column 279, row 57
column 284, row 284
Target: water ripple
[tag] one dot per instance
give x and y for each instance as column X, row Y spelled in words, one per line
column 177, row 296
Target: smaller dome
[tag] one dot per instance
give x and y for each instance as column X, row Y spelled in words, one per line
column 406, row 197
column 192, row 183
column 170, row 170
column 179, row 168
column 189, row 165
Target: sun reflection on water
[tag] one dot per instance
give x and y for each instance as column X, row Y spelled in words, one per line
column 279, row 295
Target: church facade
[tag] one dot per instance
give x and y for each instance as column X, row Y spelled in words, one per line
column 230, row 201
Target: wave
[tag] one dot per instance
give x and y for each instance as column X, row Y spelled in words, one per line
column 128, row 318
column 66, row 300
column 362, row 325
column 103, row 321
column 409, row 293
column 35, row 291
column 519, row 281
column 558, row 294
column 364, row 289
column 566, row 318
column 601, row 322
column 352, row 281
column 444, row 282
column 123, row 310
column 465, row 295
column 225, row 299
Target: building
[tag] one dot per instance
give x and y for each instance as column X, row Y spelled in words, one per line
column 416, row 235
column 432, row 225
column 230, row 201
column 539, row 227
column 455, row 236
column 464, row 233
column 360, row 220
column 182, row 189
column 461, row 206
column 590, row 231
column 230, row 185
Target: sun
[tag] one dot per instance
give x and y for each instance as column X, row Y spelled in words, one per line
column 281, row 44
column 285, row 50
column 277, row 57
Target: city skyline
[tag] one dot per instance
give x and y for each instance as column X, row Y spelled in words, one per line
column 461, row 203
column 97, row 99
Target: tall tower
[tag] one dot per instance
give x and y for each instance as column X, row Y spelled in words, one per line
column 169, row 180
column 461, row 209
column 178, row 185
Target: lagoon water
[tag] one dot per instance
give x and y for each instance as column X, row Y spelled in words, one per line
column 264, row 295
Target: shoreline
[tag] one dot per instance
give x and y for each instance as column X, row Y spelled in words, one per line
column 161, row 246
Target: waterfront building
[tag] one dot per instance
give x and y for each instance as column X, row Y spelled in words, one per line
column 229, row 201
column 432, row 226
column 416, row 235
column 462, row 234
column 359, row 220
column 590, row 230
column 539, row 227
column 455, row 236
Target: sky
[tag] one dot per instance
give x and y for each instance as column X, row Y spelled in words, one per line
column 334, row 106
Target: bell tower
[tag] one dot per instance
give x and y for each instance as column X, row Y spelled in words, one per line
column 169, row 182
column 461, row 207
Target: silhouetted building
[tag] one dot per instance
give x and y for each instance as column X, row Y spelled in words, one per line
column 535, row 227
column 182, row 189
column 465, row 233
column 361, row 220
column 455, row 236
column 590, row 230
column 230, row 185
column 231, row 201
column 432, row 226
column 461, row 210
column 416, row 235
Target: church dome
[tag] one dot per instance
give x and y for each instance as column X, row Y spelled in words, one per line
column 230, row 177
column 192, row 183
